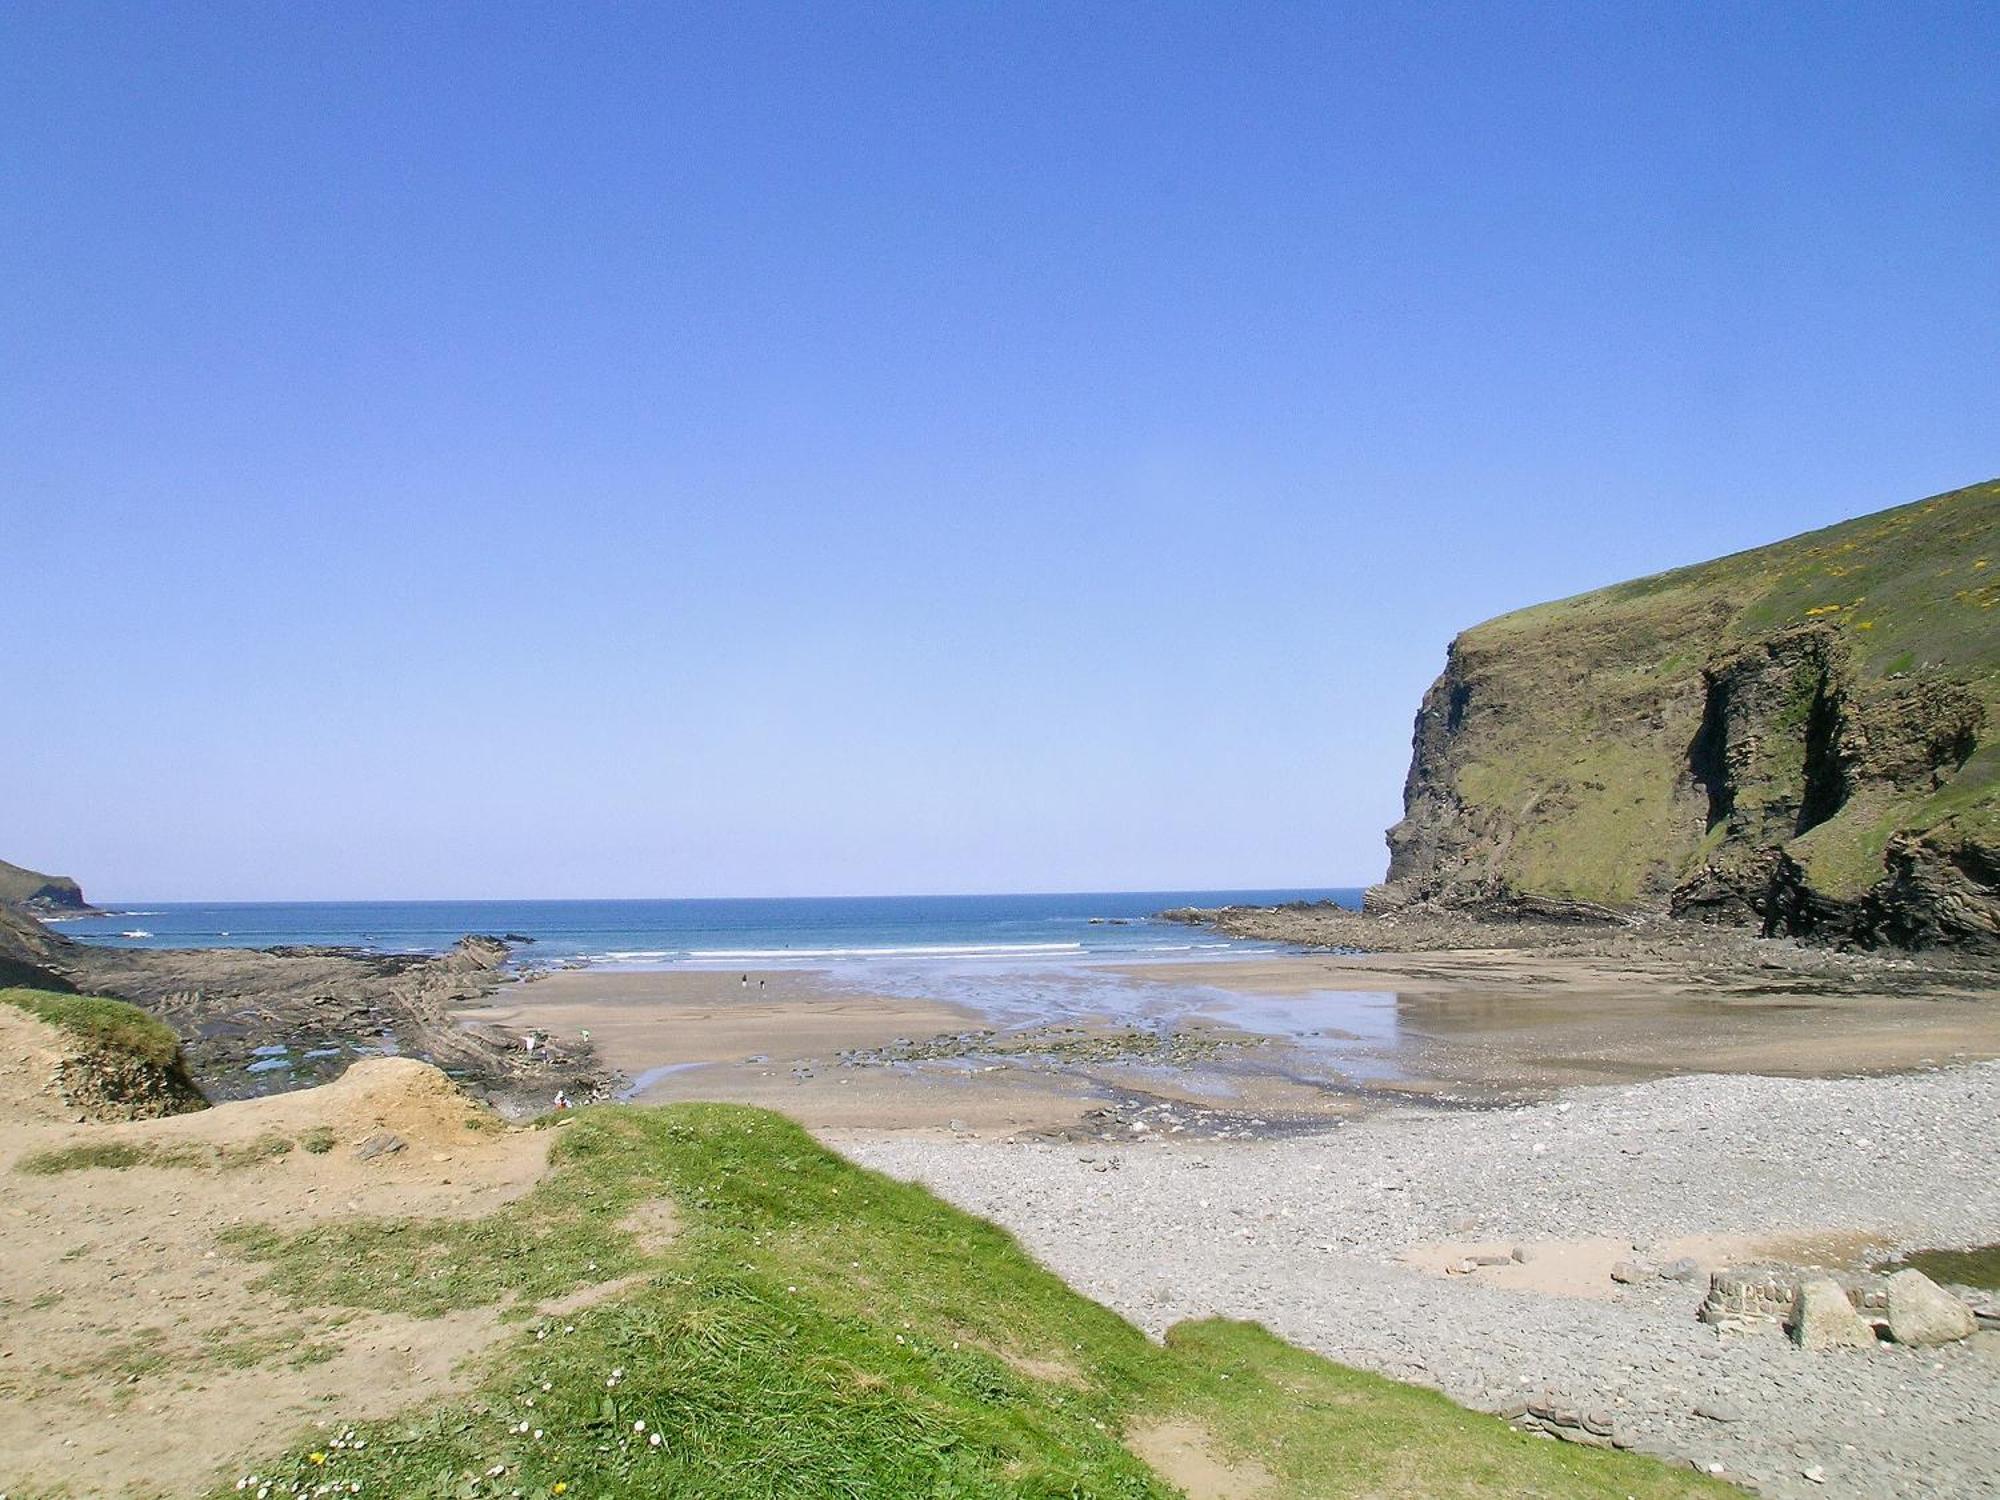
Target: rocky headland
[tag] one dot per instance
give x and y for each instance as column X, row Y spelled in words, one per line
column 255, row 1021
column 42, row 895
column 1802, row 740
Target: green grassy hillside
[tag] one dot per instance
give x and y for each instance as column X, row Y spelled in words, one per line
column 1817, row 698
column 814, row 1329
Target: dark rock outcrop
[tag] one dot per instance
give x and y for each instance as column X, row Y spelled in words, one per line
column 319, row 1008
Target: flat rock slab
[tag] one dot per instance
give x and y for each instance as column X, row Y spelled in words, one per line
column 381, row 1143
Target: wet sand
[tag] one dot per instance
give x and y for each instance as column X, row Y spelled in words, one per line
column 1259, row 1045
column 775, row 1042
column 1511, row 1020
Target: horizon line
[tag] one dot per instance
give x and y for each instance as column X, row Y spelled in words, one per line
column 1170, row 890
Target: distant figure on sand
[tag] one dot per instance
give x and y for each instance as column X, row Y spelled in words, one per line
column 746, row 981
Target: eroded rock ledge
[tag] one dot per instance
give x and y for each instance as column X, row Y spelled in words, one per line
column 319, row 1008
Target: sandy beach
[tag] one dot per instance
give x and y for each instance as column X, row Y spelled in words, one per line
column 1426, row 1164
column 1254, row 1046
column 775, row 1042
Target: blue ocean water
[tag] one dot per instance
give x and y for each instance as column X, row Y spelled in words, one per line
column 716, row 933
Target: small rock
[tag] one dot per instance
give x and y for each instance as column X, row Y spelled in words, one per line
column 1815, row 1474
column 1718, row 1411
column 1686, row 1268
column 1583, row 1437
column 1922, row 1312
column 1522, row 1254
column 1629, row 1273
column 1491, row 1260
column 1823, row 1318
column 381, row 1143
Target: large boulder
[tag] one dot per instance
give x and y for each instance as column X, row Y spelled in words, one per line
column 1823, row 1318
column 1922, row 1312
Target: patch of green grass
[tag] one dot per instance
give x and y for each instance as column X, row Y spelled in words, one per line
column 1583, row 803
column 113, row 1156
column 109, row 1025
column 318, row 1140
column 267, row 1147
column 140, row 1355
column 240, row 1351
column 236, row 1350
column 551, row 1242
column 1980, row 1267
column 120, row 1155
column 818, row 1330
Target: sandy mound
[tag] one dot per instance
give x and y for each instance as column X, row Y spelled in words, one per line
column 136, row 1356
column 410, row 1099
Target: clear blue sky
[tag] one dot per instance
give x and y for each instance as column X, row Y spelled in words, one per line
column 507, row 450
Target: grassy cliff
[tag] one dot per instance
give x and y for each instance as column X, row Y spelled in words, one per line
column 1802, row 735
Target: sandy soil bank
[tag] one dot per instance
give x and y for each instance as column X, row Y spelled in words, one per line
column 138, row 1356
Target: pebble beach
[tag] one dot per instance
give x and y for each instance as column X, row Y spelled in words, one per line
column 1346, row 1241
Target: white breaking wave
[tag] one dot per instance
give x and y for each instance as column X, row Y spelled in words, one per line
column 918, row 950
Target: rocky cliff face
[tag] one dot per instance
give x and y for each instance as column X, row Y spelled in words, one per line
column 1805, row 737
column 31, row 890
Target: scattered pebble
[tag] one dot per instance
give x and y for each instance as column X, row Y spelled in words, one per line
column 1303, row 1234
